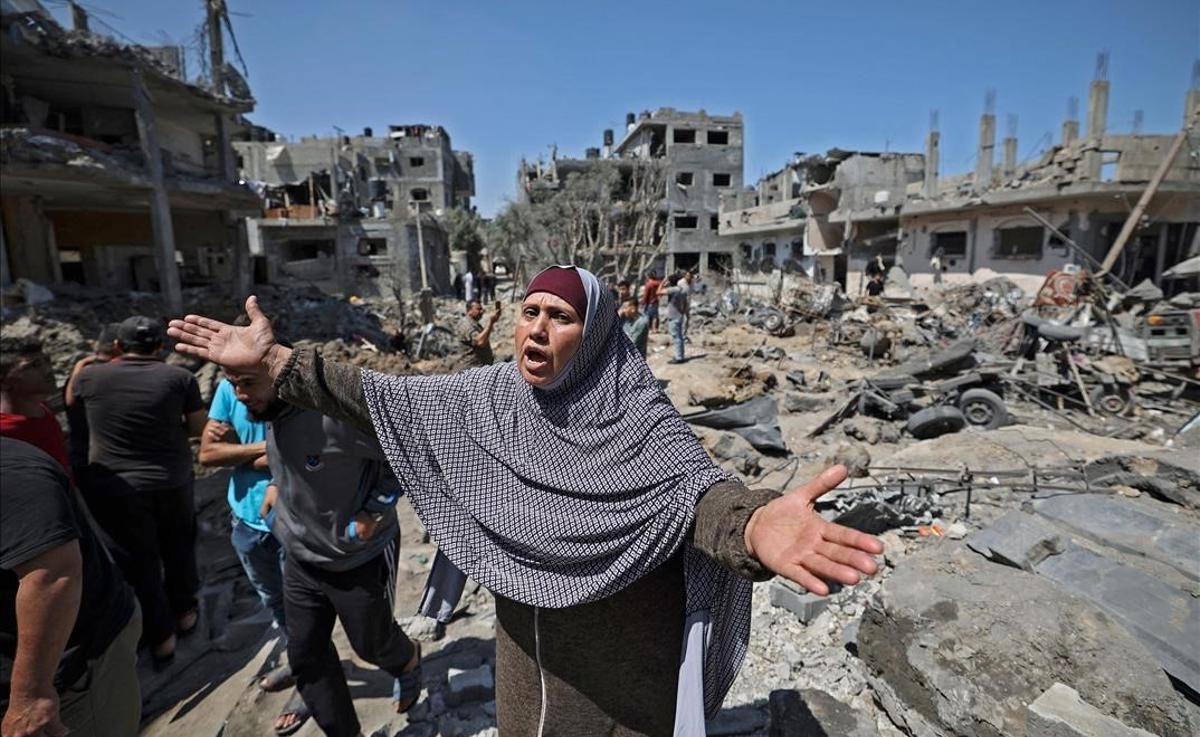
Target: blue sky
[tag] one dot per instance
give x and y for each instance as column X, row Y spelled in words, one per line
column 509, row 78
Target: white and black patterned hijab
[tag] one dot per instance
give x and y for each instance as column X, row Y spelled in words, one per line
column 567, row 494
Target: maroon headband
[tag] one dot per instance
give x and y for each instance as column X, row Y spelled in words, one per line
column 564, row 284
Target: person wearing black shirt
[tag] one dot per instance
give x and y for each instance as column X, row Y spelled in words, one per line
column 69, row 624
column 140, row 412
column 875, row 286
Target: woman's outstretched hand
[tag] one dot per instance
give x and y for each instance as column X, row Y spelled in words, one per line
column 790, row 538
column 246, row 349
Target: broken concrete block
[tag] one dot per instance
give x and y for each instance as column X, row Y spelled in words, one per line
column 957, row 645
column 850, row 637
column 464, row 686
column 805, row 606
column 854, row 457
column 735, row 721
column 813, row 712
column 1165, row 619
column 1018, row 539
column 1059, row 712
column 797, row 402
column 1127, row 526
column 862, row 428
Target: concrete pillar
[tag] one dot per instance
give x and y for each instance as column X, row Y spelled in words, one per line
column 1010, row 156
column 1070, row 132
column 932, row 144
column 1191, row 105
column 1097, row 109
column 160, row 205
column 29, row 241
column 987, row 148
column 1097, row 120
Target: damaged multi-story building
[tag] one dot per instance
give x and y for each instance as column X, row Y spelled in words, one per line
column 829, row 216
column 116, row 171
column 356, row 214
column 701, row 156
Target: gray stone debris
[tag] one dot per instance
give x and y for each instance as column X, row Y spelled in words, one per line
column 1018, row 539
column 811, row 712
column 425, row 629
column 854, row 457
column 956, row 645
column 1059, row 712
column 464, row 686
column 1165, row 619
column 736, row 721
column 1125, row 525
column 804, row 605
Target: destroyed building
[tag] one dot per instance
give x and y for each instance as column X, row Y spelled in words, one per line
column 829, row 216
column 117, row 171
column 701, row 156
column 356, row 214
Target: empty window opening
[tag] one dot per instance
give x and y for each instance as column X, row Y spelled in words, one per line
column 952, row 244
column 722, row 180
column 686, row 222
column 418, row 195
column 1108, row 165
column 372, row 246
column 684, row 135
column 718, row 138
column 307, row 250
column 382, row 163
column 1022, row 243
column 416, row 161
column 685, row 178
column 687, row 262
column 714, row 222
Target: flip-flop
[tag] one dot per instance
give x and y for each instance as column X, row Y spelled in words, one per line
column 408, row 686
column 277, row 679
column 299, row 709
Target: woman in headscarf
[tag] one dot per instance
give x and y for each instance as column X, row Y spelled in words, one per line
column 566, row 483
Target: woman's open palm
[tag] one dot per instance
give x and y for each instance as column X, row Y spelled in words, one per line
column 237, row 349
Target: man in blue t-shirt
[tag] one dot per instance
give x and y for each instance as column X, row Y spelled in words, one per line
column 235, row 436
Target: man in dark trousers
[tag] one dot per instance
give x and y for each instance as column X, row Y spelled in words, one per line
column 69, row 624
column 140, row 413
column 331, row 503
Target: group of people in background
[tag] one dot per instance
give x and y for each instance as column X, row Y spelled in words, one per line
column 98, row 534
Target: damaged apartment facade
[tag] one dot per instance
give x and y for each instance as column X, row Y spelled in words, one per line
column 702, row 158
column 829, row 216
column 356, row 214
column 116, row 171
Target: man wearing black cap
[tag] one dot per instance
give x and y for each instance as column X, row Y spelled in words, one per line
column 140, row 413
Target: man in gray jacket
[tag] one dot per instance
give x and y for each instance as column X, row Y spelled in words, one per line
column 331, row 504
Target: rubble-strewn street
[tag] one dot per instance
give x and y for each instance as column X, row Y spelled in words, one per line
column 1004, row 353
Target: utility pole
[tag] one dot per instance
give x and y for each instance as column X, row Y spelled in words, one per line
column 214, row 10
column 160, row 205
column 425, row 299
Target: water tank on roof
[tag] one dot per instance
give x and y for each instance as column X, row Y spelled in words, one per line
column 592, row 153
column 608, row 137
column 367, row 132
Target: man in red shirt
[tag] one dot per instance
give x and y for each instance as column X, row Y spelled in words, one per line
column 26, row 382
column 650, row 294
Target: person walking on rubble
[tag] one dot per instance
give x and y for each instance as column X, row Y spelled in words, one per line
column 566, row 483
column 140, row 413
column 331, row 504
column 875, row 286
column 69, row 623
column 475, row 337
column 935, row 263
column 678, row 309
column 236, row 436
column 650, row 295
column 26, row 383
